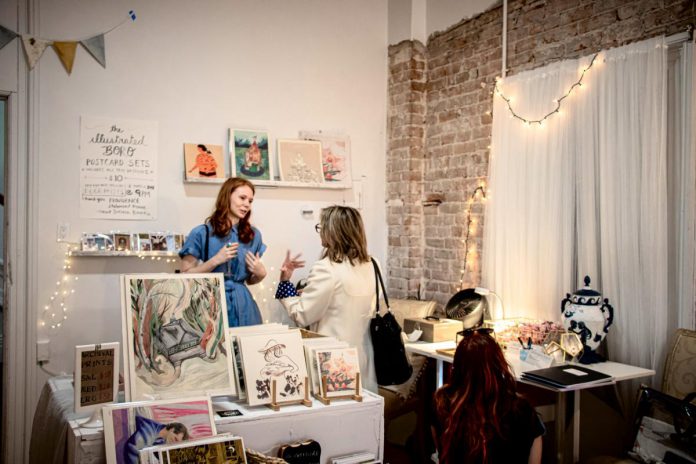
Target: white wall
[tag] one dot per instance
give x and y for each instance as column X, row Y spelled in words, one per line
column 199, row 68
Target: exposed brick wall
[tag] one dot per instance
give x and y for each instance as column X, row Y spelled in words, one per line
column 405, row 158
column 461, row 65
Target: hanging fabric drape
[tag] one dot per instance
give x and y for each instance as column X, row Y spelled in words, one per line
column 586, row 193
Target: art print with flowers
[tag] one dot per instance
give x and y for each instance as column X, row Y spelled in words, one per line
column 335, row 156
column 340, row 367
column 272, row 357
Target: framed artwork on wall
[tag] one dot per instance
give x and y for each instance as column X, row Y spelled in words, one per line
column 249, row 154
column 203, row 161
column 174, row 334
column 130, row 427
column 300, row 161
column 335, row 156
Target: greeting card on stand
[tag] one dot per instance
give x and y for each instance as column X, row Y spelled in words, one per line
column 275, row 357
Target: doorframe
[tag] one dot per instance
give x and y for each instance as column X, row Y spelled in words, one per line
column 21, row 215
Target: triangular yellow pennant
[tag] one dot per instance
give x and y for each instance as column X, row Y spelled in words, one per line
column 34, row 48
column 66, row 53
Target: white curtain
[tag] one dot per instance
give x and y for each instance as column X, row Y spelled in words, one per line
column 586, row 193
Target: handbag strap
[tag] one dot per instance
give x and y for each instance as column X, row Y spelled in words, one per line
column 379, row 282
column 207, row 243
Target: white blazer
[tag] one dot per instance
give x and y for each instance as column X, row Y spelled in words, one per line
column 339, row 301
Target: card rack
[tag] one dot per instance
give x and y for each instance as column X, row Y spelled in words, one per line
column 327, row 400
column 275, row 405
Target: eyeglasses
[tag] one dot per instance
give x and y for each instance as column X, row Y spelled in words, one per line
column 317, row 227
column 468, row 332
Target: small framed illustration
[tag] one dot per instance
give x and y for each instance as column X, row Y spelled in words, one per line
column 144, row 243
column 340, row 367
column 273, row 357
column 335, row 156
column 158, row 242
column 204, row 161
column 221, row 449
column 88, row 242
column 300, row 161
column 249, row 154
column 96, row 376
column 130, row 427
column 122, row 242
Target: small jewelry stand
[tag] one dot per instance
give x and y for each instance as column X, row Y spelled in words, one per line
column 275, row 405
column 327, row 400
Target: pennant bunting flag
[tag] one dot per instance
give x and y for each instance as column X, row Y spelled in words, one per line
column 34, row 48
column 95, row 47
column 66, row 53
column 6, row 36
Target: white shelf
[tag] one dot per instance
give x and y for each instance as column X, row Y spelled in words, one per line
column 124, row 254
column 277, row 184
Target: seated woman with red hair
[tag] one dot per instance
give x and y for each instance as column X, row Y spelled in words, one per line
column 478, row 416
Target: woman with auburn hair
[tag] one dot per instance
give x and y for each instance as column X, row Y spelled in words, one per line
column 228, row 243
column 478, row 415
column 340, row 292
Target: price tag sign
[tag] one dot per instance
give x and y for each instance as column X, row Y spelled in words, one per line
column 118, row 169
column 96, row 375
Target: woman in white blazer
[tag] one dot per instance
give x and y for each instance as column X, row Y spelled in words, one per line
column 339, row 297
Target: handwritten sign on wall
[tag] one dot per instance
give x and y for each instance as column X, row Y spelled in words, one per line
column 118, row 169
column 96, row 375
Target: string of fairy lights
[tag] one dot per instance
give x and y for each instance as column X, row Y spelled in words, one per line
column 471, row 224
column 558, row 102
column 55, row 309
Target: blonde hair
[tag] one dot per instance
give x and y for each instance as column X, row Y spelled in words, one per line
column 343, row 235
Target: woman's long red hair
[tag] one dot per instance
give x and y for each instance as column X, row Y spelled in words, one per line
column 481, row 391
column 220, row 219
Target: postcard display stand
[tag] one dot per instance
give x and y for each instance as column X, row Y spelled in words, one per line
column 327, row 400
column 275, row 404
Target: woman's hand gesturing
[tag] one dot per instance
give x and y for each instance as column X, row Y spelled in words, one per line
column 289, row 265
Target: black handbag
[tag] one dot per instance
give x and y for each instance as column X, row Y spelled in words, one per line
column 391, row 363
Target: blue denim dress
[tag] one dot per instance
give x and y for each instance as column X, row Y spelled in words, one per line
column 241, row 307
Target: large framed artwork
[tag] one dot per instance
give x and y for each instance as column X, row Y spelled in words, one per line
column 272, row 357
column 174, row 331
column 335, row 156
column 203, row 161
column 249, row 154
column 130, row 427
column 300, row 161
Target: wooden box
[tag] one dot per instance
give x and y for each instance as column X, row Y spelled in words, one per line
column 440, row 330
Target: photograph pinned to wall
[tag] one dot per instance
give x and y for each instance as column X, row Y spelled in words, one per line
column 158, row 241
column 128, row 428
column 122, row 242
column 96, row 376
column 273, row 357
column 174, row 334
column 335, row 156
column 221, row 449
column 249, row 154
column 204, row 161
column 340, row 367
column 300, row 161
column 144, row 243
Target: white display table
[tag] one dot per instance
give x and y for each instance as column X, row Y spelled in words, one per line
column 343, row 427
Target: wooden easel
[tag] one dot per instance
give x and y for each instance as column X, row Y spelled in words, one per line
column 275, row 405
column 327, row 400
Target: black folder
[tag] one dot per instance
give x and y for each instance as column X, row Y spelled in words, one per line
column 568, row 377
